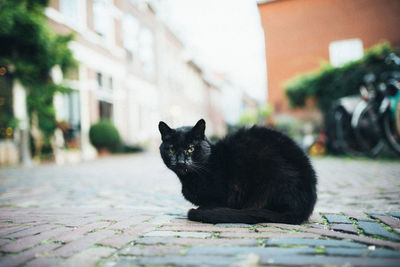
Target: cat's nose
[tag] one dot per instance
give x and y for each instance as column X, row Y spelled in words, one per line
column 181, row 160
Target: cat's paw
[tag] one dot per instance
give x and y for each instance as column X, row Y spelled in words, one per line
column 193, row 215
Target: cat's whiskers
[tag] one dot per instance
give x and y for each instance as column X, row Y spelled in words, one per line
column 198, row 168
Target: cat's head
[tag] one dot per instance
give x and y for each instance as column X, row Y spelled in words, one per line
column 184, row 149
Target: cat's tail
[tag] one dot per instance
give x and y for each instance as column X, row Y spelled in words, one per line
column 251, row 216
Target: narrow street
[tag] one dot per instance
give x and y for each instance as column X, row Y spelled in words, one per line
column 125, row 210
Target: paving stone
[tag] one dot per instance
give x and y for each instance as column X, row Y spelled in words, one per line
column 75, row 222
column 79, row 232
column 30, row 241
column 374, row 228
column 12, row 229
column 18, row 259
column 233, row 225
column 197, row 228
column 185, row 222
column 44, row 262
column 336, row 218
column 88, row 257
column 281, row 226
column 140, row 250
column 162, row 219
column 339, row 251
column 4, row 241
column 312, row 242
column 359, row 216
column 201, row 260
column 31, row 231
column 180, row 234
column 339, row 235
column 118, row 241
column 197, row 241
column 345, row 227
column 78, row 245
column 314, row 225
column 129, row 222
column 114, row 217
column 395, row 214
column 267, row 235
column 384, row 253
column 391, row 221
column 266, row 229
column 315, row 218
column 303, row 260
column 234, row 250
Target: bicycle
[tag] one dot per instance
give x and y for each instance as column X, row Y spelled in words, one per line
column 344, row 140
column 390, row 107
column 376, row 117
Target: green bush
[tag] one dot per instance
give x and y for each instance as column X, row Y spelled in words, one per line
column 258, row 116
column 330, row 83
column 104, row 135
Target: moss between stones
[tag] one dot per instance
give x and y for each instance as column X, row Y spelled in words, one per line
column 215, row 235
column 320, row 250
column 102, row 246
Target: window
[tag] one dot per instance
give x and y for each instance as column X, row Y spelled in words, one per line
column 130, row 30
column 105, row 81
column 106, row 110
column 69, row 8
column 71, row 109
column 341, row 52
column 146, row 52
column 110, row 83
column 100, row 80
column 100, row 17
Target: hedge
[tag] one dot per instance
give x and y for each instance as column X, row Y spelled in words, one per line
column 330, row 83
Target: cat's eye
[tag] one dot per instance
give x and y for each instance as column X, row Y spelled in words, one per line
column 171, row 150
column 190, row 149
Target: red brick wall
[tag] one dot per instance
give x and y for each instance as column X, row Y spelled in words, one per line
column 298, row 33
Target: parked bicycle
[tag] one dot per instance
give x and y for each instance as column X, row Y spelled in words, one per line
column 364, row 123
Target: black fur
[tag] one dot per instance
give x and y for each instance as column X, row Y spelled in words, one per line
column 254, row 175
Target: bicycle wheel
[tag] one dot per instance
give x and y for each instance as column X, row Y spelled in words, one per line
column 346, row 141
column 367, row 130
column 391, row 127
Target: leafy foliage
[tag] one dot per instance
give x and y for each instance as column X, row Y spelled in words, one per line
column 103, row 134
column 330, row 83
column 30, row 49
column 258, row 116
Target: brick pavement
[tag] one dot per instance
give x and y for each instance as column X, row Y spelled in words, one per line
column 128, row 211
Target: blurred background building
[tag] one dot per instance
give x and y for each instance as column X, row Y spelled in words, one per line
column 132, row 70
column 142, row 61
column 301, row 34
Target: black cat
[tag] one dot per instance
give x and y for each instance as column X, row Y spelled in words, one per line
column 254, row 175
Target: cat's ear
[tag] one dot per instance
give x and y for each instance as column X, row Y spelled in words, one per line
column 199, row 128
column 164, row 129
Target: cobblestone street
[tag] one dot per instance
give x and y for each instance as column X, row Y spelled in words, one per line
column 128, row 211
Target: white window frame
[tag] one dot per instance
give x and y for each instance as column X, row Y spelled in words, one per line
column 344, row 51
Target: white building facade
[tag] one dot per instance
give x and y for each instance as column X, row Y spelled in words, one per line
column 132, row 70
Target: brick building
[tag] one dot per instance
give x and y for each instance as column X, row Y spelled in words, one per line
column 300, row 34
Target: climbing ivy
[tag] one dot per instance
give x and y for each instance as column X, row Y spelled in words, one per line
column 29, row 49
column 329, row 83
